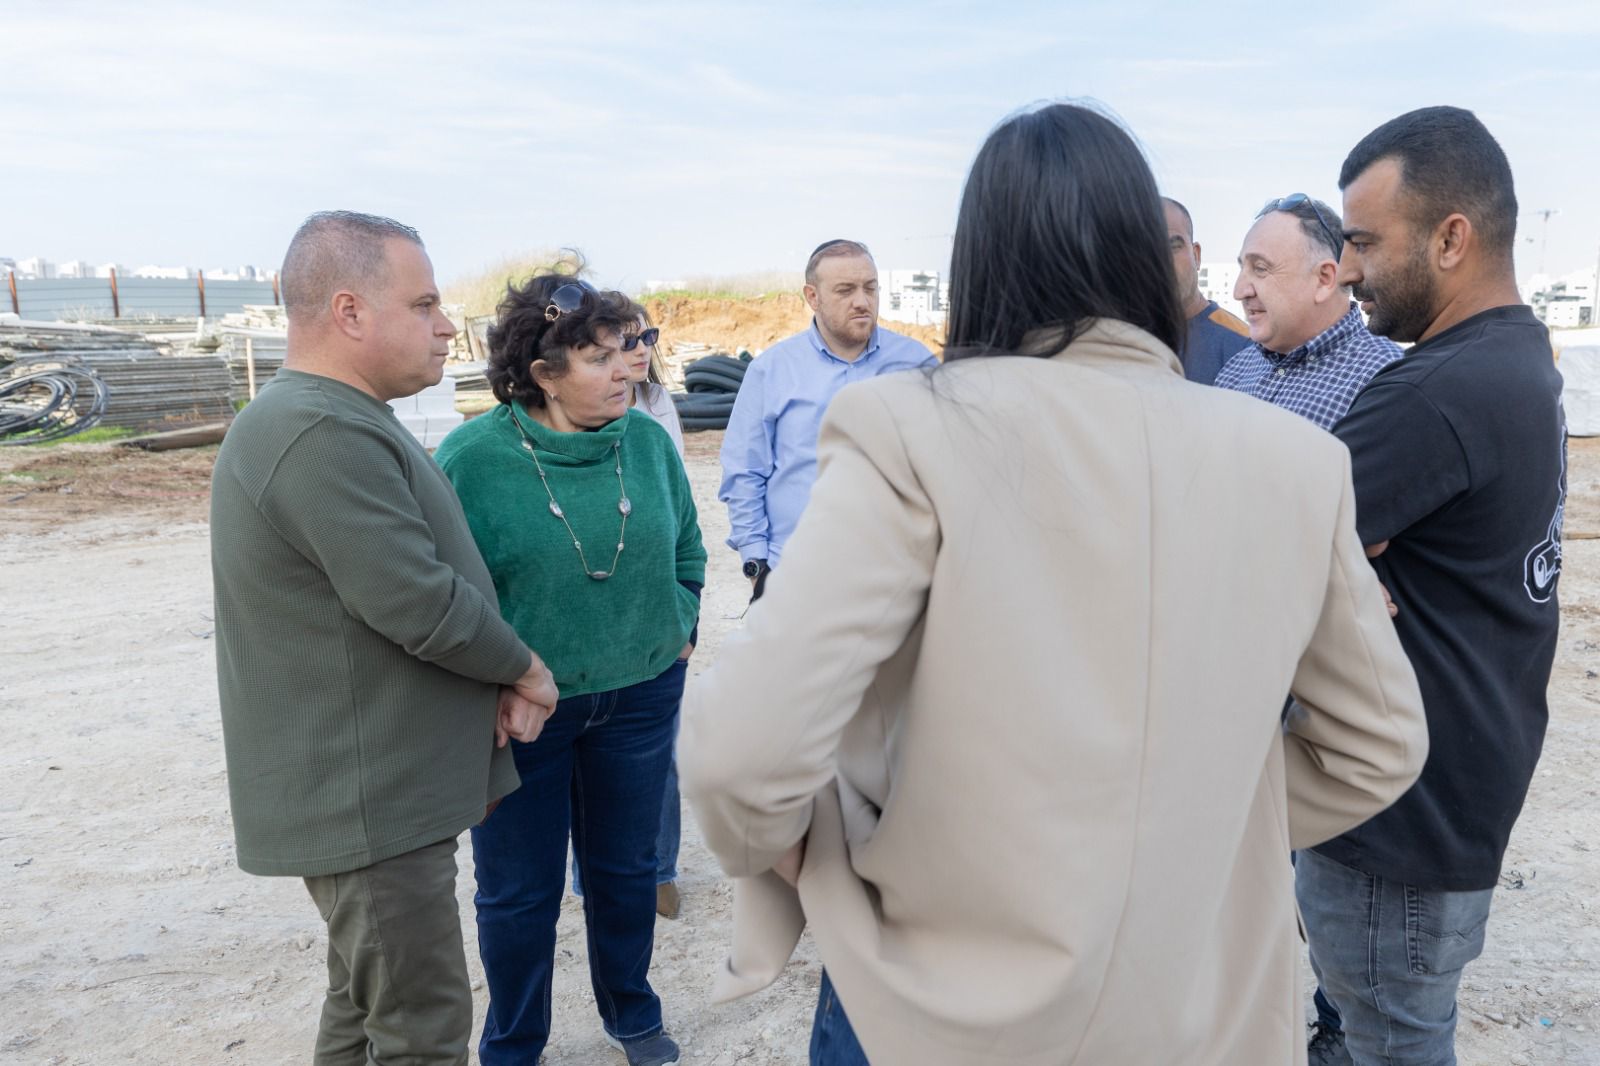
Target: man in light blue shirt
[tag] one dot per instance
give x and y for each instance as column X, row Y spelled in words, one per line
column 769, row 454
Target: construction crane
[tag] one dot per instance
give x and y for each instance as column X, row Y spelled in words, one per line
column 1544, row 233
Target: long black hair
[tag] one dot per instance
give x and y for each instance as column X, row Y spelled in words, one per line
column 1060, row 224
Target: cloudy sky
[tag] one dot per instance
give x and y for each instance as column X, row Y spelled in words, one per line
column 671, row 139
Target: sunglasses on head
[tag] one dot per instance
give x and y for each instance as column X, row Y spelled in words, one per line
column 646, row 337
column 1294, row 200
column 567, row 299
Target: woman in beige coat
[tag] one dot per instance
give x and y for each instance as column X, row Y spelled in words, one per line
column 1011, row 714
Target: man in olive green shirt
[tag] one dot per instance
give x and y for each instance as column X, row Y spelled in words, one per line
column 367, row 681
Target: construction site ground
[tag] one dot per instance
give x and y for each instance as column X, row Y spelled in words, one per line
column 128, row 935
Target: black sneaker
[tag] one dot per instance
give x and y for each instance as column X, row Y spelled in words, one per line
column 658, row 1050
column 1326, row 1046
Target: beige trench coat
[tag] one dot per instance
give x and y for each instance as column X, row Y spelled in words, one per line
column 1019, row 682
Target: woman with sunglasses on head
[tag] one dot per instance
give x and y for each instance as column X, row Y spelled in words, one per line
column 1008, row 736
column 647, row 394
column 585, row 517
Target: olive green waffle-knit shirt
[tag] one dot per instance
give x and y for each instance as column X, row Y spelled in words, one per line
column 359, row 641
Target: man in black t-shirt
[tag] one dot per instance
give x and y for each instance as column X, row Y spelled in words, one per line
column 1458, row 455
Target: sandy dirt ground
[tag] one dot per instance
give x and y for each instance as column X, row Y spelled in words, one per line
column 755, row 322
column 127, row 934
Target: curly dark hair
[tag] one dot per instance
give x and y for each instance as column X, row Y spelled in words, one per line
column 522, row 334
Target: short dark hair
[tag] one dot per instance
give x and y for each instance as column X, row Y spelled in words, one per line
column 1449, row 162
column 1060, row 225
column 334, row 250
column 828, row 250
column 523, row 334
column 1184, row 211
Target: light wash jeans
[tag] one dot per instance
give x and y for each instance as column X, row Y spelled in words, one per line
column 1389, row 956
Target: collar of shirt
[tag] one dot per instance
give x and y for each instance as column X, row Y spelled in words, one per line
column 1322, row 344
column 815, row 335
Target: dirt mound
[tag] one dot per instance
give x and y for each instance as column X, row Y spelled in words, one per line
column 755, row 322
column 41, row 488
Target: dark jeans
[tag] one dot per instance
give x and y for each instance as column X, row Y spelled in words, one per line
column 598, row 769
column 833, row 1041
column 668, row 837
column 397, row 969
column 1389, row 957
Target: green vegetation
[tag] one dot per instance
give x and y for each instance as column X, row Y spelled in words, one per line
column 96, row 435
column 730, row 286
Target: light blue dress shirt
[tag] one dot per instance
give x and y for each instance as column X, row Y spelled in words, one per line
column 769, row 453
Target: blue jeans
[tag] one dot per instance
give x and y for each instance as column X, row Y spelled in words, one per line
column 667, row 836
column 1389, row 956
column 833, row 1041
column 598, row 768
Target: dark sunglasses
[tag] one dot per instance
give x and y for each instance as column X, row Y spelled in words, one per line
column 646, row 337
column 1294, row 200
column 567, row 299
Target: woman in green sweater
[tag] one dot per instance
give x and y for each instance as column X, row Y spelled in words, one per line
column 585, row 518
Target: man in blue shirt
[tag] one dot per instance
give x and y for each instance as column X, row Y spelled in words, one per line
column 1310, row 351
column 769, row 453
column 1214, row 334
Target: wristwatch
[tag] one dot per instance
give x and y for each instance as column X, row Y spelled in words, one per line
column 755, row 568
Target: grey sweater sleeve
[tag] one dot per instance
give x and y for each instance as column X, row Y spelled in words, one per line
column 340, row 495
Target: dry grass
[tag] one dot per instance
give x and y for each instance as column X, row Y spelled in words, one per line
column 480, row 293
column 732, row 286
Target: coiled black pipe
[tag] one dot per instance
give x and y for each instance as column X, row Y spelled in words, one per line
column 43, row 405
column 713, row 385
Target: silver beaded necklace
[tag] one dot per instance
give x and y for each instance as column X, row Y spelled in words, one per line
column 624, row 505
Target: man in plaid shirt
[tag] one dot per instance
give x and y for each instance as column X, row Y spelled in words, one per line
column 1310, row 352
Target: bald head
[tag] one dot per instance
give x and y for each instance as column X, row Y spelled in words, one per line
column 337, row 251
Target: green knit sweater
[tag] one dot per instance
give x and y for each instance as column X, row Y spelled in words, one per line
column 359, row 644
column 594, row 635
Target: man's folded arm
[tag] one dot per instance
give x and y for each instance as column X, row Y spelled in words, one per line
column 1356, row 738
column 341, row 498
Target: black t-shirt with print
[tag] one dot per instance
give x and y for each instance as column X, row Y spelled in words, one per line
column 1458, row 454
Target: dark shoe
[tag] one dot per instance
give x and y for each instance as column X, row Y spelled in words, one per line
column 667, row 900
column 658, row 1050
column 1326, row 1047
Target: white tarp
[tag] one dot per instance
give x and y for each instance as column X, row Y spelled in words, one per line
column 1578, row 359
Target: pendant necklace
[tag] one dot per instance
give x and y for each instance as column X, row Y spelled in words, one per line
column 624, row 505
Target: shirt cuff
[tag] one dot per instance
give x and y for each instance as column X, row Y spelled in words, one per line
column 756, row 549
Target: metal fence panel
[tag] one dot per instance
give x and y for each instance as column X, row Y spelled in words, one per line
column 45, row 299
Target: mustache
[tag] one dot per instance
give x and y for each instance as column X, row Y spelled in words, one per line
column 1361, row 293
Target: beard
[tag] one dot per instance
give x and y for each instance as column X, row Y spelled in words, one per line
column 1402, row 305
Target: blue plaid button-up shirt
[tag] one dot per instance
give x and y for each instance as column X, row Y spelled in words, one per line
column 1318, row 380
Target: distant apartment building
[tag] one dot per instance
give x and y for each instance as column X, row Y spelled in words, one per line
column 35, row 267
column 74, row 268
column 1567, row 302
column 179, row 273
column 1216, row 283
column 241, row 273
column 914, row 296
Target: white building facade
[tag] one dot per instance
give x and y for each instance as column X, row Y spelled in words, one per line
column 917, row 296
